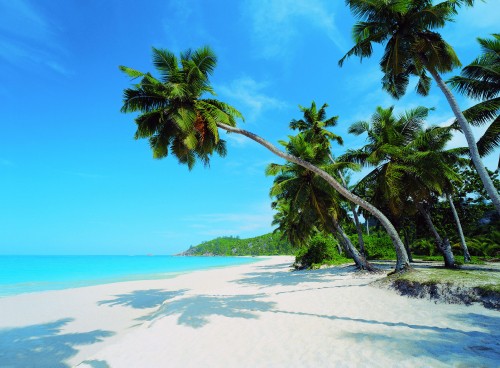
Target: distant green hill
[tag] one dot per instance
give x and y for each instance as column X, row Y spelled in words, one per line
column 264, row 245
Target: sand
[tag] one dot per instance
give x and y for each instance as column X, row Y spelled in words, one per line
column 255, row 315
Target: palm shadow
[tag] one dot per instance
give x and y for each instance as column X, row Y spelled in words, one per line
column 195, row 311
column 94, row 364
column 43, row 345
column 294, row 278
column 275, row 266
column 448, row 346
column 141, row 299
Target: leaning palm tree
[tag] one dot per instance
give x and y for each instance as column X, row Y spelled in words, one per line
column 176, row 117
column 410, row 164
column 314, row 126
column 412, row 48
column 481, row 80
column 314, row 203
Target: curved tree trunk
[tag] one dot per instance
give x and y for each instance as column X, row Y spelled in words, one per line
column 359, row 230
column 471, row 141
column 443, row 245
column 351, row 250
column 459, row 228
column 402, row 262
column 339, row 249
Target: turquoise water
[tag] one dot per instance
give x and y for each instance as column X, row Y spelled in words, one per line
column 24, row 274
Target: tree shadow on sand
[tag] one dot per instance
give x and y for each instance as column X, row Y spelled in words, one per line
column 289, row 278
column 43, row 345
column 448, row 346
column 141, row 299
column 195, row 311
column 287, row 265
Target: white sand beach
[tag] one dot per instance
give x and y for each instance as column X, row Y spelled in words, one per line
column 255, row 315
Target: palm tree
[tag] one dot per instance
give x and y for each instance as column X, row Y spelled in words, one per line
column 461, row 236
column 412, row 48
column 410, row 164
column 312, row 202
column 176, row 118
column 481, row 80
column 314, row 126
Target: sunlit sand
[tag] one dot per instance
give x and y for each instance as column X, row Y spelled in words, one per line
column 256, row 315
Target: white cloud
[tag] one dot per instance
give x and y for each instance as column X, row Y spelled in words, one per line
column 248, row 92
column 478, row 21
column 224, row 224
column 458, row 140
column 276, row 24
column 185, row 25
column 235, row 140
column 28, row 37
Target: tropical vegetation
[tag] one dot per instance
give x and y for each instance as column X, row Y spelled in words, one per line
column 439, row 200
column 413, row 48
column 265, row 245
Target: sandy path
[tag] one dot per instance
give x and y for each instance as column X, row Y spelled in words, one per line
column 257, row 315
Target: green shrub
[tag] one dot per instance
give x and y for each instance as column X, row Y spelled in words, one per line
column 378, row 246
column 424, row 247
column 320, row 250
column 483, row 246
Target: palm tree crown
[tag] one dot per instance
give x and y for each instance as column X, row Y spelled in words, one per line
column 406, row 27
column 409, row 162
column 314, row 126
column 412, row 48
column 174, row 115
column 481, row 80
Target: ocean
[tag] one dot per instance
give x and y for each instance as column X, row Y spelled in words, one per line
column 25, row 274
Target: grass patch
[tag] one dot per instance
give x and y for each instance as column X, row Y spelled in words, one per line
column 458, row 259
column 331, row 262
column 487, row 280
column 474, row 284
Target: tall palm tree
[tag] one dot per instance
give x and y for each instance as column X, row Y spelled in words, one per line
column 314, row 126
column 481, row 80
column 410, row 164
column 412, row 48
column 314, row 203
column 176, row 118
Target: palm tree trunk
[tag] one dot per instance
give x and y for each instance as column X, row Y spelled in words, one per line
column 443, row 246
column 407, row 244
column 402, row 262
column 351, row 250
column 359, row 230
column 471, row 141
column 459, row 228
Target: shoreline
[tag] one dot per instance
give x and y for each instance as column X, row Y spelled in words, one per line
column 256, row 314
column 30, row 287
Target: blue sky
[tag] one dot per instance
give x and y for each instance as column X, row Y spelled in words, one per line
column 74, row 181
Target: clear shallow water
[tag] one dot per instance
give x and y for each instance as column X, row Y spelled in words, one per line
column 24, row 274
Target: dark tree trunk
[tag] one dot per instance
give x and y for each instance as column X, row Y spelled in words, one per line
column 460, row 231
column 339, row 248
column 407, row 244
column 359, row 229
column 449, row 259
column 351, row 250
column 443, row 246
